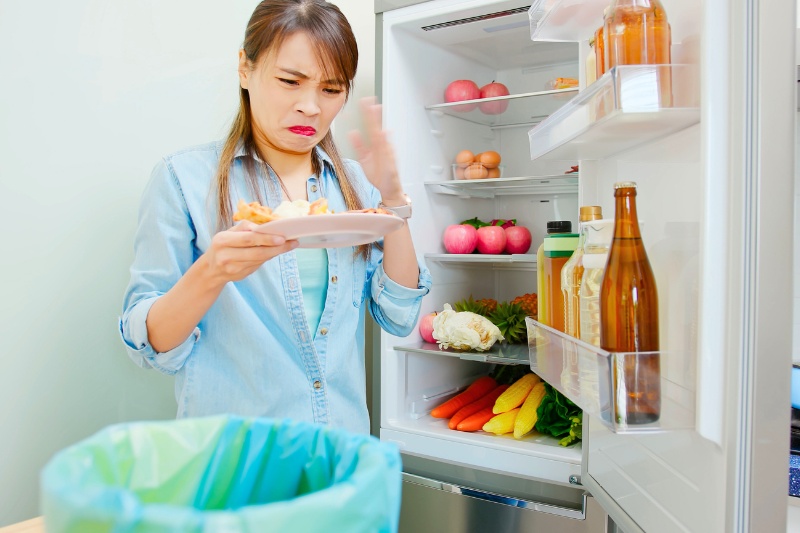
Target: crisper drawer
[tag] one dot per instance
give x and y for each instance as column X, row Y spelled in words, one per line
column 432, row 506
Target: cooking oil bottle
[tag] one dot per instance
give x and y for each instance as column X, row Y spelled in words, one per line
column 572, row 272
column 597, row 239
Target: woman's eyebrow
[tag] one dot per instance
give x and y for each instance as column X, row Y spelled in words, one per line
column 302, row 76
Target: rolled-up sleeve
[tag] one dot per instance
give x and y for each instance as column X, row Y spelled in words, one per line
column 163, row 251
column 396, row 307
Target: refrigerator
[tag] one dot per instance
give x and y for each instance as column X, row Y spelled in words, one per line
column 715, row 201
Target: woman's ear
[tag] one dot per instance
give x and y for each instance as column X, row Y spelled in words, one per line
column 244, row 69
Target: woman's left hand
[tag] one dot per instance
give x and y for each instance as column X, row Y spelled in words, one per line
column 377, row 155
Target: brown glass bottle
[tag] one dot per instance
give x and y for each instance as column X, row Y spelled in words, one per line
column 629, row 316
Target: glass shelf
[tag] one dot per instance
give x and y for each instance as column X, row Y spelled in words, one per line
column 502, row 353
column 565, row 20
column 523, row 109
column 489, row 188
column 594, row 379
column 628, row 106
column 524, row 261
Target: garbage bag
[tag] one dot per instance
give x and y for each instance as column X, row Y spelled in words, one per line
column 224, row 475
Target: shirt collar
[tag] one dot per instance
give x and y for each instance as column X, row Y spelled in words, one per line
column 320, row 153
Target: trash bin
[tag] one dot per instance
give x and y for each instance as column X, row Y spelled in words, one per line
column 223, row 475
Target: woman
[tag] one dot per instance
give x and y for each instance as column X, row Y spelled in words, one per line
column 247, row 323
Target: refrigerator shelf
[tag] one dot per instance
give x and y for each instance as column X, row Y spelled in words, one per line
column 565, row 20
column 590, row 376
column 523, row 109
column 498, row 262
column 625, row 108
column 490, row 188
column 504, row 354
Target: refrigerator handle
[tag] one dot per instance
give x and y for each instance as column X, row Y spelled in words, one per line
column 577, row 514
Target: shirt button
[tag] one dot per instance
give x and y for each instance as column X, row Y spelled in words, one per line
column 334, row 279
column 317, row 385
column 313, row 188
column 323, row 331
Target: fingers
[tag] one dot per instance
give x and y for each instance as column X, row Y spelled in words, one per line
column 358, row 143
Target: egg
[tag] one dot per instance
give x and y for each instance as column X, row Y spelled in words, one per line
column 489, row 159
column 475, row 171
column 464, row 158
column 494, row 173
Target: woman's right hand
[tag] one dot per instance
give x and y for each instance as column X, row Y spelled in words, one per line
column 236, row 253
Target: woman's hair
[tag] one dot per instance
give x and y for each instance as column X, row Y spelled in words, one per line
column 337, row 52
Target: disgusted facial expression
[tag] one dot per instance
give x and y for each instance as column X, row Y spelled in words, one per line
column 292, row 100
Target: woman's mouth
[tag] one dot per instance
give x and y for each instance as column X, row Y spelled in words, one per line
column 306, row 131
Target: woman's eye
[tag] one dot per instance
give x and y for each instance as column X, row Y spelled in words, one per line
column 331, row 90
column 288, row 82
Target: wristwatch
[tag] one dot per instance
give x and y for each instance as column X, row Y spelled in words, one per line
column 403, row 211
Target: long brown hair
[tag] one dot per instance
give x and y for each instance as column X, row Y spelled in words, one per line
column 337, row 52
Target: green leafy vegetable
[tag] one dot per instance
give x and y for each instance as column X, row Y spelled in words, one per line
column 475, row 223
column 556, row 416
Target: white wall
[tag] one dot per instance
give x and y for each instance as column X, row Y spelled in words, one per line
column 92, row 93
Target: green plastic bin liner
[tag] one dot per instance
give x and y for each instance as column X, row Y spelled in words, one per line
column 223, row 475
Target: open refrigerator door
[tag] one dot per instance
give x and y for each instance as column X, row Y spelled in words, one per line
column 664, row 476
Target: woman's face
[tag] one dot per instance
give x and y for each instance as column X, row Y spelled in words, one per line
column 292, row 105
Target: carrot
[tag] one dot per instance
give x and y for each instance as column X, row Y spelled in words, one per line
column 476, row 421
column 478, row 388
column 486, row 400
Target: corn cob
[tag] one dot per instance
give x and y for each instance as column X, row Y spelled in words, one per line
column 527, row 416
column 515, row 394
column 502, row 423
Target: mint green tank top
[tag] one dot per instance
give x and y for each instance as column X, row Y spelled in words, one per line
column 313, row 266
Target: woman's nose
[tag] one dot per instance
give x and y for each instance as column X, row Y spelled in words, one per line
column 308, row 103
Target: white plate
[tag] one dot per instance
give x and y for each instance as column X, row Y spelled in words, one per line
column 333, row 231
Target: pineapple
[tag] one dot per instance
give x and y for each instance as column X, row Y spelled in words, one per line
column 529, row 304
column 472, row 306
column 490, row 304
column 510, row 319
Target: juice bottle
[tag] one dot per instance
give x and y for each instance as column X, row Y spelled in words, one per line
column 637, row 32
column 572, row 272
column 553, row 226
column 629, row 316
column 600, row 48
column 558, row 247
column 597, row 239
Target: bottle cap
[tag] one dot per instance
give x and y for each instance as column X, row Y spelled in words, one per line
column 625, row 185
column 590, row 212
column 559, row 226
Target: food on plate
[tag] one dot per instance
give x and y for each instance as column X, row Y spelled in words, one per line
column 460, row 90
column 487, row 400
column 426, row 327
column 491, row 90
column 491, row 240
column 516, row 393
column 518, row 239
column 261, row 214
column 477, row 389
column 464, row 331
column 460, row 239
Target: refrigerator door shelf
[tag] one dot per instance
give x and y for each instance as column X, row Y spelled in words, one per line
column 565, row 20
column 505, row 354
column 594, row 380
column 628, row 106
column 519, row 109
column 536, row 456
column 512, row 186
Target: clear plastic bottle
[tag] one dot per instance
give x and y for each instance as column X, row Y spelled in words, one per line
column 598, row 236
column 558, row 248
column 553, row 226
column 572, row 272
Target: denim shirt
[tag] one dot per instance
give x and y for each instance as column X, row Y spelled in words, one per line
column 253, row 353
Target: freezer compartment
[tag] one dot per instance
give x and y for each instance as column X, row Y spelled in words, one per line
column 628, row 106
column 440, row 497
column 414, row 382
column 594, row 379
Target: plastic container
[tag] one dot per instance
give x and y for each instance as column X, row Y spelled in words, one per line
column 229, row 474
column 595, row 253
column 542, row 304
column 557, row 250
column 475, row 171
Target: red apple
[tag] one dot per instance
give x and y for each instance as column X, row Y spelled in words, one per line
column 426, row 327
column 518, row 239
column 491, row 240
column 489, row 91
column 460, row 90
column 460, row 239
